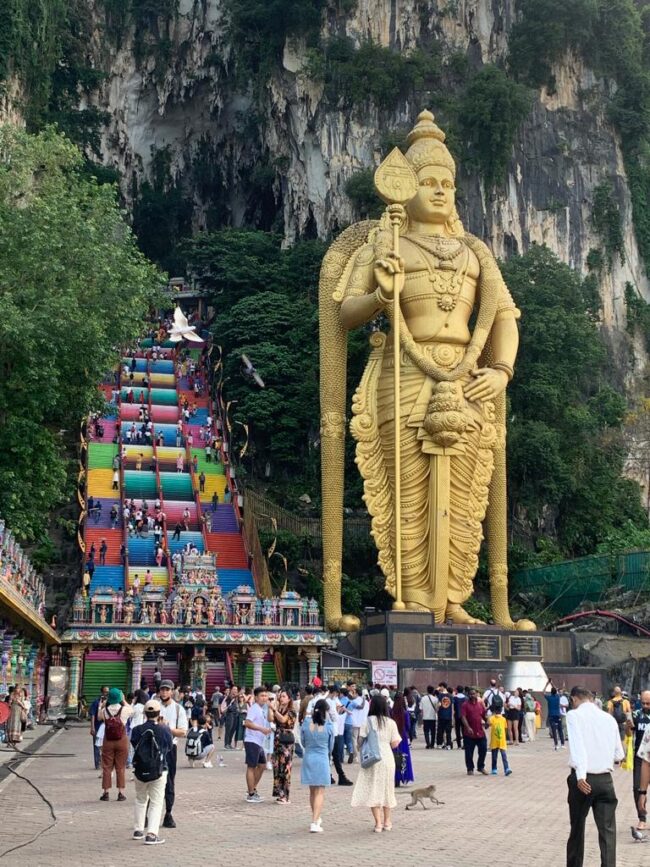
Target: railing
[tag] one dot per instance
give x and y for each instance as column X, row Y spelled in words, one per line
column 267, row 512
column 259, row 566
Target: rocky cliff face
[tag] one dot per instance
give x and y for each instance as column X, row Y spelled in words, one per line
column 215, row 135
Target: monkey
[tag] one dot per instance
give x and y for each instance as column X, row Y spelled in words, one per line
column 420, row 795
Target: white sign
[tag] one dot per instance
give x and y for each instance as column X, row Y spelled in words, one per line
column 384, row 672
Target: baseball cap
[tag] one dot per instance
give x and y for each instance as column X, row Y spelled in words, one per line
column 167, row 684
column 152, row 706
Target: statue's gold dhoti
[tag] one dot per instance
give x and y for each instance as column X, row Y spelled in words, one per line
column 447, row 448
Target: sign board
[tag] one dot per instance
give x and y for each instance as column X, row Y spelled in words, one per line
column 526, row 645
column 484, row 647
column 384, row 672
column 440, row 645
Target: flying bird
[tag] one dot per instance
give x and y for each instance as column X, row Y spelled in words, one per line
column 181, row 329
column 250, row 372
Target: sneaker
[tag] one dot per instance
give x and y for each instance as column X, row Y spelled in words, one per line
column 269, row 766
column 483, row 771
column 470, row 773
column 494, row 772
column 508, row 772
column 208, row 765
column 138, row 835
column 556, row 747
column 168, row 821
column 104, row 797
column 315, row 828
column 345, row 782
column 254, row 798
column 153, row 840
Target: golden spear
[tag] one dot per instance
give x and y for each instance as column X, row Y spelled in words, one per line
column 396, row 183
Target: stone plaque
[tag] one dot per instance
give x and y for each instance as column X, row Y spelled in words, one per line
column 487, row 647
column 526, row 645
column 440, row 646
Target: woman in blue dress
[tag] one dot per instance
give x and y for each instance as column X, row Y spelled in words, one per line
column 317, row 734
column 403, row 764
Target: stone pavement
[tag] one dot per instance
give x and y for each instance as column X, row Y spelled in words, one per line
column 481, row 816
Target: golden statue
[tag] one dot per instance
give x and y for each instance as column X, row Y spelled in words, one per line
column 441, row 471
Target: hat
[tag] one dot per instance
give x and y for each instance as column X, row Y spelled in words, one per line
column 167, row 684
column 115, row 695
column 385, row 693
column 152, row 706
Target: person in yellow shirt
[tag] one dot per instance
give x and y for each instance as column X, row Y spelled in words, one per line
column 497, row 725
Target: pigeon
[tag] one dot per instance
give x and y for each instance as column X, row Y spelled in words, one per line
column 181, row 329
column 637, row 835
column 249, row 370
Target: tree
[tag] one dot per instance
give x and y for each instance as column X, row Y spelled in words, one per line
column 74, row 290
column 566, row 450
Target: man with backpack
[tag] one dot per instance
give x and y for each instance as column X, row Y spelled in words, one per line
column 619, row 707
column 174, row 717
column 152, row 744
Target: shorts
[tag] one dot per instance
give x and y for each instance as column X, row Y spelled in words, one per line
column 206, row 751
column 512, row 714
column 255, row 754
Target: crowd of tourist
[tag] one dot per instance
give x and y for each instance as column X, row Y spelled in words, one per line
column 373, row 727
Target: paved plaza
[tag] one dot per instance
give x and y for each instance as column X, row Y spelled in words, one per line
column 481, row 816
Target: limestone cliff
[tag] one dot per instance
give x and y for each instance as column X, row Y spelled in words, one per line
column 193, row 109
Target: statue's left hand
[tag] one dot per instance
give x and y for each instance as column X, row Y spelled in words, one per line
column 486, row 385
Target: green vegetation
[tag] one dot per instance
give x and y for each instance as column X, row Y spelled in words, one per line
column 638, row 314
column 353, row 75
column 360, row 189
column 260, row 28
column 566, row 450
column 491, row 110
column 606, row 220
column 73, row 287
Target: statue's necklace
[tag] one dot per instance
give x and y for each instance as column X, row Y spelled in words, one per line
column 446, row 277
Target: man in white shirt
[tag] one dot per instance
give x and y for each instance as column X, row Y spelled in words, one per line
column 173, row 715
column 643, row 753
column 256, row 728
column 594, row 749
column 429, row 705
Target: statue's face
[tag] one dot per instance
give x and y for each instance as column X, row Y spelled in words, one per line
column 435, row 198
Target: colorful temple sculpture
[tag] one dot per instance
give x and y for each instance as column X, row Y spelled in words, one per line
column 169, row 569
column 25, row 635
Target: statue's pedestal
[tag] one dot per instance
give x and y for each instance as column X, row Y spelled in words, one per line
column 468, row 655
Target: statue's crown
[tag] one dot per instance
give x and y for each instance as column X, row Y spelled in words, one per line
column 426, row 145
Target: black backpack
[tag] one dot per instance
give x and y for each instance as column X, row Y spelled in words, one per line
column 617, row 712
column 496, row 705
column 148, row 762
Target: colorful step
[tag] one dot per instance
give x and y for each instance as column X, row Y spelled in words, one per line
column 100, row 455
column 175, row 545
column 141, row 551
column 140, row 484
column 107, row 576
column 166, row 396
column 213, row 483
column 113, row 541
column 176, row 486
column 159, row 574
column 162, row 365
column 230, row 579
column 229, row 548
column 100, row 483
column 223, row 519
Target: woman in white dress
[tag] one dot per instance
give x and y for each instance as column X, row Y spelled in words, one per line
column 375, row 786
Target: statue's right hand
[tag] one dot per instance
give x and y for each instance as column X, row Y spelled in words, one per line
column 388, row 273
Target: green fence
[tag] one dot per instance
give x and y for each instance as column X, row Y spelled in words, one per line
column 572, row 583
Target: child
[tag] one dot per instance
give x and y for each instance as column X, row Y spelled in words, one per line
column 198, row 744
column 497, row 725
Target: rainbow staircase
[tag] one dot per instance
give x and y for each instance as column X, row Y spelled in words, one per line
column 149, row 472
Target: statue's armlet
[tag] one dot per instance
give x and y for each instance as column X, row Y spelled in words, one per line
column 362, row 278
column 506, row 307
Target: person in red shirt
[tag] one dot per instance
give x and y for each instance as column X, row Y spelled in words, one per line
column 473, row 718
